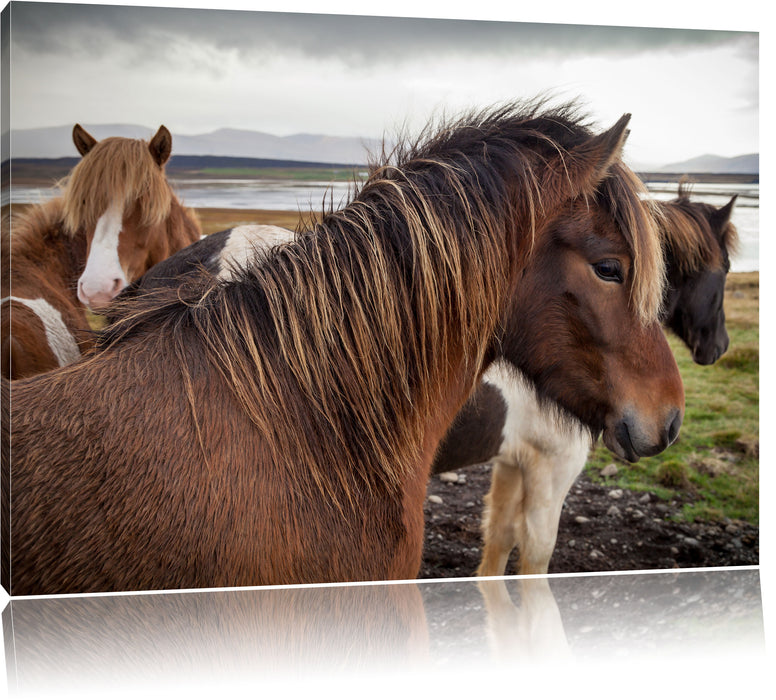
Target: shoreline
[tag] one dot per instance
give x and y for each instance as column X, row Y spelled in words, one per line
column 213, row 219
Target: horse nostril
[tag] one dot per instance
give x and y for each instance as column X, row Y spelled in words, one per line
column 673, row 425
column 117, row 286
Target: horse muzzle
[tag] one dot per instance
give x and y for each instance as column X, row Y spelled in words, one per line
column 630, row 439
column 98, row 296
column 705, row 354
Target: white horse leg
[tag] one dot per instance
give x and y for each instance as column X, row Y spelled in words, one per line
column 503, row 504
column 546, row 483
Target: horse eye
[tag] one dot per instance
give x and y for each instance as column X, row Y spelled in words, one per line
column 609, row 270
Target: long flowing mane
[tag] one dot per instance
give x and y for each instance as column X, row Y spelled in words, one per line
column 686, row 231
column 25, row 226
column 350, row 307
column 116, row 170
column 35, row 242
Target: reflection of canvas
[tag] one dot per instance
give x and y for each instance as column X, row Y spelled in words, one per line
column 424, row 634
column 278, row 424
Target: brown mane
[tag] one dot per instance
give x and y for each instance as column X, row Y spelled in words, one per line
column 686, row 229
column 41, row 254
column 302, row 325
column 25, row 226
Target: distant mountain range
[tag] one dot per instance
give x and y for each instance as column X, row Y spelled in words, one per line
column 56, row 142
column 746, row 164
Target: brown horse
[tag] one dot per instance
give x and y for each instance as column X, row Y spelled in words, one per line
column 538, row 449
column 117, row 217
column 278, row 427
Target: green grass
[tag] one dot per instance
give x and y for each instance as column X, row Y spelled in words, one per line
column 714, row 464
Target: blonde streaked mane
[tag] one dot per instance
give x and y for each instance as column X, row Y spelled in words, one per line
column 623, row 194
column 435, row 229
column 116, row 170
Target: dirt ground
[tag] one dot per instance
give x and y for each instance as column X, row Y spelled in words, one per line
column 638, row 535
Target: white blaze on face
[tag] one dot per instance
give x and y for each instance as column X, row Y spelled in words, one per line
column 103, row 278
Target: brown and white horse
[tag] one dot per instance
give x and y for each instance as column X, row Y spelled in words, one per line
column 538, row 449
column 117, row 217
column 278, row 427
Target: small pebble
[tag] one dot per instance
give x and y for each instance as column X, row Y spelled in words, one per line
column 581, row 519
column 433, row 498
column 609, row 470
column 645, row 498
column 691, row 541
column 637, row 515
column 613, row 510
column 449, row 477
column 615, row 493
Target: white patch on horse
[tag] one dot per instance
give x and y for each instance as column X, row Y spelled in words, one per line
column 543, row 451
column 247, row 244
column 544, row 426
column 59, row 338
column 103, row 276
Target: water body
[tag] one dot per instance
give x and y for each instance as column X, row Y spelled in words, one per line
column 290, row 195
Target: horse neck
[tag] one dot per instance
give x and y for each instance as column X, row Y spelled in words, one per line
column 363, row 337
column 183, row 225
column 181, row 228
column 45, row 255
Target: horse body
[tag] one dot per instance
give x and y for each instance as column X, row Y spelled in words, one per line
column 117, row 217
column 537, row 448
column 278, row 425
column 43, row 323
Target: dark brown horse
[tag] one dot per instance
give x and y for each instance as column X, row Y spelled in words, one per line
column 117, row 217
column 279, row 427
column 538, row 449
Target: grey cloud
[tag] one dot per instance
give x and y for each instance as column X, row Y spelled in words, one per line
column 63, row 28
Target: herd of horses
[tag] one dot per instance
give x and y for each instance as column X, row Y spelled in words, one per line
column 267, row 406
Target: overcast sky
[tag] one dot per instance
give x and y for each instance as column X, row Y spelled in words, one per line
column 691, row 91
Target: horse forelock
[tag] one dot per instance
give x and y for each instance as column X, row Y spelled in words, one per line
column 688, row 235
column 624, row 195
column 116, row 171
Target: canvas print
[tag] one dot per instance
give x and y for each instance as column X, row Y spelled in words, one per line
column 299, row 299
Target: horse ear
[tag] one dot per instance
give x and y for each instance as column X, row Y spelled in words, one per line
column 722, row 215
column 585, row 165
column 161, row 145
column 83, row 140
column 603, row 150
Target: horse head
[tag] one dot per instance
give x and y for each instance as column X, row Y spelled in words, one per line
column 696, row 282
column 119, row 196
column 583, row 323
